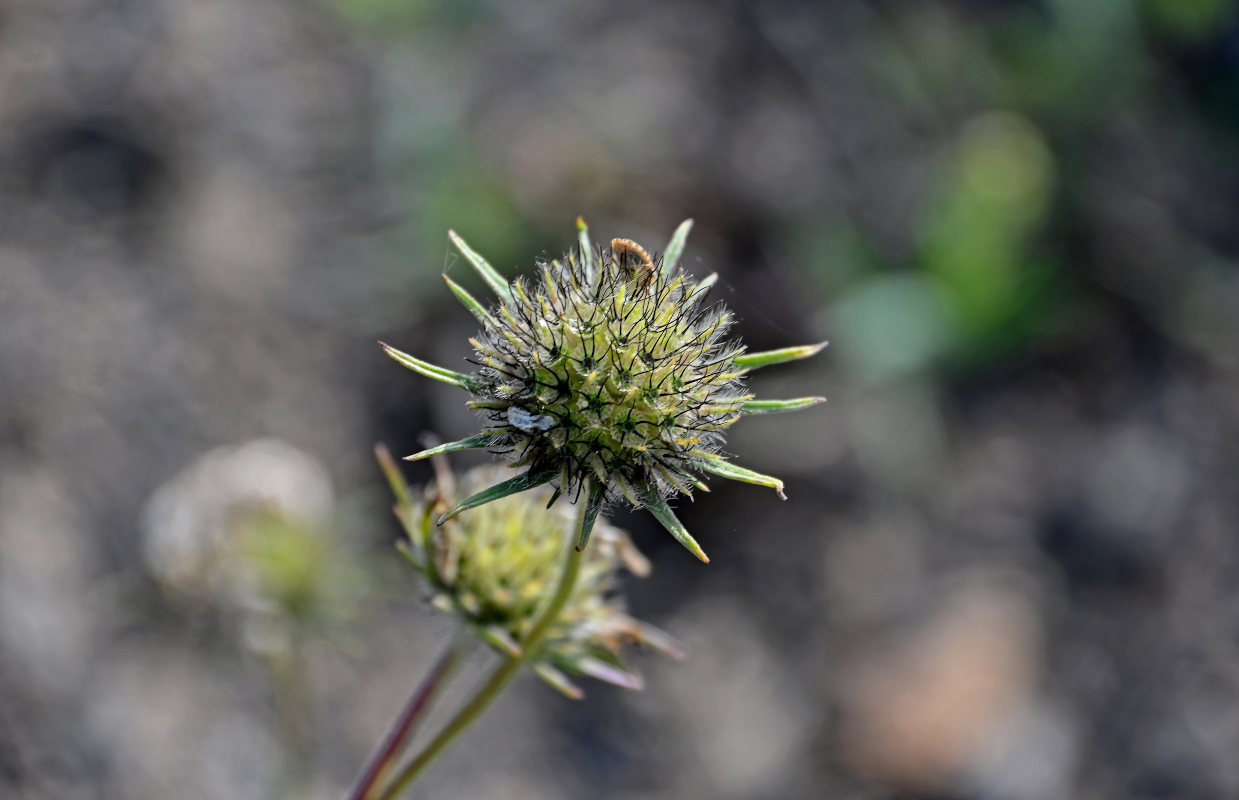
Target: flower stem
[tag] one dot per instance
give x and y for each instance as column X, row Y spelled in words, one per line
column 507, row 670
column 292, row 711
column 417, row 704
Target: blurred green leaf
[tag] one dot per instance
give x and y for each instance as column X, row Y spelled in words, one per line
column 1189, row 18
column 978, row 241
column 460, row 194
column 891, row 325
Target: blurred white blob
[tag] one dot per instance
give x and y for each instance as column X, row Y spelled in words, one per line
column 244, row 528
column 189, row 519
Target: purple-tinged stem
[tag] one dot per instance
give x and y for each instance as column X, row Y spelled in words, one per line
column 403, row 726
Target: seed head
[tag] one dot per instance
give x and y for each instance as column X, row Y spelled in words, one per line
column 492, row 569
column 608, row 369
column 246, row 531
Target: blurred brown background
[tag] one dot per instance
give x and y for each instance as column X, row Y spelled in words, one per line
column 1009, row 563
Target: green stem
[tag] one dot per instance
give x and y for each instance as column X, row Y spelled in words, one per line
column 404, row 724
column 291, row 711
column 507, row 670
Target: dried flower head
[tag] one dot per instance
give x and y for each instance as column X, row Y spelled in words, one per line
column 247, row 530
column 609, row 370
column 493, row 570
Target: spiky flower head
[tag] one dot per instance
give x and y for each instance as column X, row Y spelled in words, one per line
column 493, row 570
column 609, row 370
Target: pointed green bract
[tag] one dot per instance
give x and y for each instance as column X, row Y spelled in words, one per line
column 702, row 288
column 663, row 513
column 487, row 405
column 410, row 556
column 559, row 680
column 776, row 406
column 600, row 670
column 511, row 486
column 404, row 514
column 399, row 487
column 765, row 359
column 597, row 493
column 429, row 370
column 661, row 641
column 472, row 443
column 466, row 299
column 726, row 469
column 675, row 248
column 586, row 249
column 489, row 274
column 500, row 639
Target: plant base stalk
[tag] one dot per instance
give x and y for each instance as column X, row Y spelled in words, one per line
column 381, row 762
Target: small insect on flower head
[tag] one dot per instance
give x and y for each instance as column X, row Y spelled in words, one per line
column 492, row 569
column 607, row 373
column 633, row 261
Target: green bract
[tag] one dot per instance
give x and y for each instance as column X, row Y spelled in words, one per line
column 608, row 370
column 494, row 568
